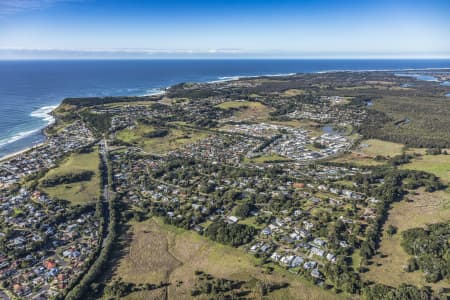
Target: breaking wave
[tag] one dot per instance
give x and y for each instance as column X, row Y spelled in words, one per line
column 231, row 78
column 17, row 136
column 154, row 91
column 43, row 113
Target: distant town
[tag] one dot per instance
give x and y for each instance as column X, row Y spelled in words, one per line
column 254, row 188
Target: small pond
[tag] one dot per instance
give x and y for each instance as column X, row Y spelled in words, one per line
column 329, row 129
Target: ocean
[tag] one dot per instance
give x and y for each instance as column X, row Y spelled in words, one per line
column 29, row 90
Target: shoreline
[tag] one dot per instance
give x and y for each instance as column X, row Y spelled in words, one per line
column 9, row 156
column 218, row 80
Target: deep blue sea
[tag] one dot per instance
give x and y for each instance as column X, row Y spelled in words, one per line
column 30, row 89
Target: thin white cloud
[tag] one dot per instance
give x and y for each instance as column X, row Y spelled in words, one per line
column 112, row 52
column 142, row 53
column 124, row 50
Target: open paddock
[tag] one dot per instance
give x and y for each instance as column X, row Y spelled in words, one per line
column 77, row 192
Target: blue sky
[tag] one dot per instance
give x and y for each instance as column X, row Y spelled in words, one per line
column 264, row 28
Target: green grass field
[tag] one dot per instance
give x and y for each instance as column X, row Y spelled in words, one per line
column 159, row 145
column 293, row 92
column 251, row 221
column 134, row 135
column 134, row 103
column 424, row 208
column 438, row 165
column 176, row 254
column 238, row 104
column 173, row 140
column 378, row 147
column 249, row 110
column 77, row 192
column 367, row 150
column 268, row 158
column 354, row 158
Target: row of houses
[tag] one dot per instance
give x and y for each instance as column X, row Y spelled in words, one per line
column 44, row 157
column 44, row 246
column 40, row 255
column 221, row 148
column 324, row 111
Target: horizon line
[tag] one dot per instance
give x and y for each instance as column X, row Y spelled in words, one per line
column 234, row 58
column 17, row 53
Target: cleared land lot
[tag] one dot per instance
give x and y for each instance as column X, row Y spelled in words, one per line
column 162, row 252
column 293, row 92
column 374, row 147
column 425, row 208
column 239, row 104
column 357, row 159
column 158, row 145
column 247, row 110
column 135, row 134
column 78, row 192
column 268, row 158
column 367, row 150
column 134, row 103
column 438, row 165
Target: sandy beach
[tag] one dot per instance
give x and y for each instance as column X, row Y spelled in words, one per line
column 9, row 156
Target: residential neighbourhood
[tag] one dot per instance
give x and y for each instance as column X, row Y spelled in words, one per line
column 244, row 163
column 45, row 244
